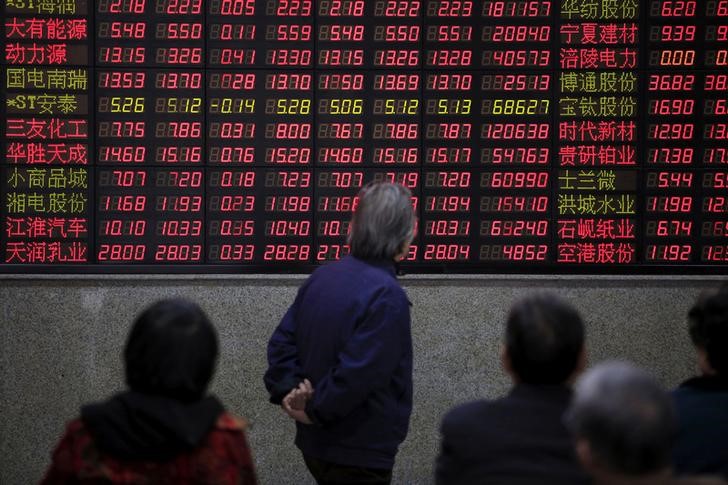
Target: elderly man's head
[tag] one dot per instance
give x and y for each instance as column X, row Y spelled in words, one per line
column 383, row 224
column 623, row 422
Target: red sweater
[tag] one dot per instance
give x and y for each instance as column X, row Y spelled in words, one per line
column 223, row 458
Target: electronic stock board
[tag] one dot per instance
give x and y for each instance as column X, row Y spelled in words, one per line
column 537, row 136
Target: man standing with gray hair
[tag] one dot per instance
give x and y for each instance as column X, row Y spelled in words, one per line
column 340, row 361
column 624, row 426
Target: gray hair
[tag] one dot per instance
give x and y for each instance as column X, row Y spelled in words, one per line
column 383, row 222
column 625, row 416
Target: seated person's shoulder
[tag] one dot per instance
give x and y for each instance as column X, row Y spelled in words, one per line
column 77, row 433
column 231, row 422
column 701, row 480
column 76, row 427
column 466, row 415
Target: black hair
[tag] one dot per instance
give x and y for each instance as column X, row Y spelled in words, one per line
column 544, row 338
column 708, row 326
column 171, row 351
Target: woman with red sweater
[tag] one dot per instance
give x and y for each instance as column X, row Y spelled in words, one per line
column 164, row 429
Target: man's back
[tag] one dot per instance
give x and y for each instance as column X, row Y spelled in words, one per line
column 333, row 303
column 518, row 439
column 348, row 331
column 702, row 441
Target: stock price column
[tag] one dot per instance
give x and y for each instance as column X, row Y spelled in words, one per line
column 514, row 131
column 598, row 135
column 449, row 56
column 260, row 131
column 714, row 183
column 45, row 133
column 149, row 111
column 367, row 109
column 342, row 101
column 672, row 133
column 395, row 107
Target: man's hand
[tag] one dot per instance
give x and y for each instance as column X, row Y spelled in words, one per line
column 294, row 404
column 298, row 396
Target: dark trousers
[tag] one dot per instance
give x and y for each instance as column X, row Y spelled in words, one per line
column 327, row 473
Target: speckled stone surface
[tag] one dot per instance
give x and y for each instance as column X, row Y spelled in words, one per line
column 61, row 340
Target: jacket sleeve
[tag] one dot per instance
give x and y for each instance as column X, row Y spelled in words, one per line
column 368, row 360
column 284, row 369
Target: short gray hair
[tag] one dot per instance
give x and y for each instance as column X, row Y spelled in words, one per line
column 625, row 416
column 383, row 222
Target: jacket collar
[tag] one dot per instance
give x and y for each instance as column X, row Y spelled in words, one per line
column 133, row 425
column 555, row 392
column 707, row 383
column 388, row 266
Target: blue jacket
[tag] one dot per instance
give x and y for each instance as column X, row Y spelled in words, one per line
column 702, row 441
column 348, row 332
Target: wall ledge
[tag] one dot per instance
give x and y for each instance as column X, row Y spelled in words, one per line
column 414, row 279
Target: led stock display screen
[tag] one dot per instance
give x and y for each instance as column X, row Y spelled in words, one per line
column 233, row 135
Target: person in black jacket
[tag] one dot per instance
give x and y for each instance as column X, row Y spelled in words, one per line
column 520, row 438
column 702, row 402
column 340, row 361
